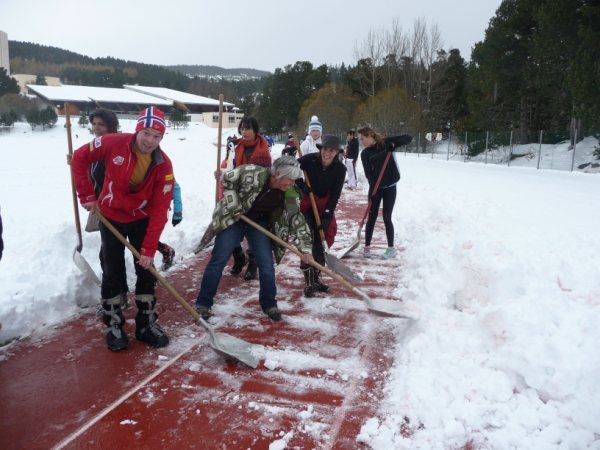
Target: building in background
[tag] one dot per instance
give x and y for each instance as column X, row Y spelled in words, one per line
column 200, row 109
column 4, row 59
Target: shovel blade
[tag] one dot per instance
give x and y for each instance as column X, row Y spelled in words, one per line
column 354, row 245
column 232, row 347
column 342, row 269
column 388, row 308
column 85, row 268
column 207, row 239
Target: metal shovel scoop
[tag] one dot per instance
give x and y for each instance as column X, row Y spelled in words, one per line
column 222, row 343
column 379, row 307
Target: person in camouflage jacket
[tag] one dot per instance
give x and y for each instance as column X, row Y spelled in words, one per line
column 267, row 196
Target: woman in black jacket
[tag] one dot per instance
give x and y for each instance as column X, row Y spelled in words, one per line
column 373, row 157
column 326, row 174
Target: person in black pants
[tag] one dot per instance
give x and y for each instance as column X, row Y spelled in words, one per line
column 373, row 158
column 351, row 157
column 326, row 174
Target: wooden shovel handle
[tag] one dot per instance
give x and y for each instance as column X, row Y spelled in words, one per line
column 73, row 189
column 152, row 270
column 313, row 203
column 293, row 249
column 383, row 167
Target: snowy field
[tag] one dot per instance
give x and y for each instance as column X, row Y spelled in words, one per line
column 503, row 262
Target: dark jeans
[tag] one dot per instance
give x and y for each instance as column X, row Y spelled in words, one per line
column 388, row 195
column 225, row 242
column 113, row 254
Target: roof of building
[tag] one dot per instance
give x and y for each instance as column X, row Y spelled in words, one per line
column 99, row 94
column 179, row 96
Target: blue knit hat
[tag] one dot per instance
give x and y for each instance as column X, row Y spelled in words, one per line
column 314, row 124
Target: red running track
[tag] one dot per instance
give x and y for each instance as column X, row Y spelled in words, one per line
column 320, row 378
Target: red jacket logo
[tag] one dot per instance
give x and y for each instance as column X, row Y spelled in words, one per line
column 118, row 160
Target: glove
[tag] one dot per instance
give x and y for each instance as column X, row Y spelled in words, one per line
column 303, row 186
column 326, row 219
column 393, row 142
column 177, row 217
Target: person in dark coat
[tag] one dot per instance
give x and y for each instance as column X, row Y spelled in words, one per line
column 373, row 157
column 326, row 174
column 351, row 154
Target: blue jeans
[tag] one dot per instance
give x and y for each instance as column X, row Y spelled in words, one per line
column 225, row 242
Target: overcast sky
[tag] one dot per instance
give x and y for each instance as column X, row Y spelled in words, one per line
column 261, row 34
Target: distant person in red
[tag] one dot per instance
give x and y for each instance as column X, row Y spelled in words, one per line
column 251, row 148
column 135, row 198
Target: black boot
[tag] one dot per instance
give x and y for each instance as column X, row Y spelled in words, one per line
column 116, row 339
column 146, row 328
column 273, row 313
column 239, row 261
column 321, row 287
column 252, row 269
column 309, row 282
column 168, row 255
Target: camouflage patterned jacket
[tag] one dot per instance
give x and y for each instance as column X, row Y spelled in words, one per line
column 241, row 186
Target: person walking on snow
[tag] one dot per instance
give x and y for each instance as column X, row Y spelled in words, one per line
column 251, row 148
column 351, row 154
column 315, row 129
column 135, row 198
column 373, row 157
column 326, row 174
column 266, row 196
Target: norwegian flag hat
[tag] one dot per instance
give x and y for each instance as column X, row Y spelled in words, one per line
column 151, row 117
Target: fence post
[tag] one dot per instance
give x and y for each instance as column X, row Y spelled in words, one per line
column 466, row 145
column 540, row 152
column 510, row 148
column 419, row 145
column 432, row 145
column 448, row 152
column 574, row 149
column 487, row 135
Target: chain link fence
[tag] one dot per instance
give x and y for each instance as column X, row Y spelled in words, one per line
column 546, row 150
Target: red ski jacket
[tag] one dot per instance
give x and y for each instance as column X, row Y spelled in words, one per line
column 117, row 202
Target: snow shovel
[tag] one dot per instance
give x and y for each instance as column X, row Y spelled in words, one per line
column 332, row 261
column 343, row 253
column 78, row 258
column 379, row 307
column 224, row 344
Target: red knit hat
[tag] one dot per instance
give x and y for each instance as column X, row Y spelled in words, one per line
column 151, row 117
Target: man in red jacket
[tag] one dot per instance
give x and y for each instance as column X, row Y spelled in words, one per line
column 135, row 198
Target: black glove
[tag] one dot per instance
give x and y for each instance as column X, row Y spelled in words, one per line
column 303, row 186
column 326, row 219
column 393, row 142
column 177, row 217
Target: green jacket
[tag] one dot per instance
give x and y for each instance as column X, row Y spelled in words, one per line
column 241, row 186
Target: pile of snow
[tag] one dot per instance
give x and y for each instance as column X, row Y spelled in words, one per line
column 39, row 284
column 504, row 263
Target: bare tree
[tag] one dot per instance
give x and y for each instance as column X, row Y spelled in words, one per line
column 369, row 55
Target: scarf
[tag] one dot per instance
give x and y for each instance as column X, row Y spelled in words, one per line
column 261, row 156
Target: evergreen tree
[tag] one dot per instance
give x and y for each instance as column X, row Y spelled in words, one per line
column 179, row 119
column 48, row 117
column 33, row 117
column 8, row 85
column 83, row 120
column 40, row 80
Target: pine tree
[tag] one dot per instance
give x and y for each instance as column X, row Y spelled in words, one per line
column 8, row 85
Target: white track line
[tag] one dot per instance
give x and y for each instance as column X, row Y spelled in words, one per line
column 74, row 435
